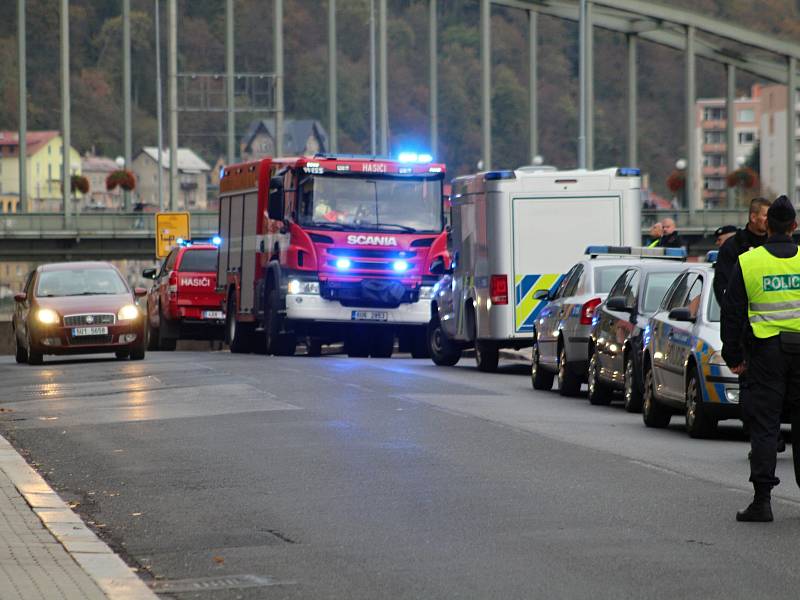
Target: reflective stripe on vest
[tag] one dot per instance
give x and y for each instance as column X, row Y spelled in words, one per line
column 773, row 292
column 653, row 244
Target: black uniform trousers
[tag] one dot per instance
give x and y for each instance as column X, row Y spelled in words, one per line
column 773, row 379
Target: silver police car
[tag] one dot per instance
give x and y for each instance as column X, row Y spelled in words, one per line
column 683, row 370
column 561, row 334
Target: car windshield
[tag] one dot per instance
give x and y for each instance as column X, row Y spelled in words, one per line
column 604, row 278
column 199, row 261
column 655, row 287
column 408, row 204
column 713, row 309
column 80, row 282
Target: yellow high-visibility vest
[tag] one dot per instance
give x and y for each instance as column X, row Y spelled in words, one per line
column 773, row 292
column 653, row 244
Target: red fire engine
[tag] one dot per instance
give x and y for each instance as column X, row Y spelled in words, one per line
column 329, row 249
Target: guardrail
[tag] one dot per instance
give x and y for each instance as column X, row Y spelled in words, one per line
column 95, row 225
column 699, row 222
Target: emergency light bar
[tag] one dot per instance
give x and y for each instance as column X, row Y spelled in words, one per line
column 629, row 172
column 216, row 241
column 636, row 251
column 711, row 256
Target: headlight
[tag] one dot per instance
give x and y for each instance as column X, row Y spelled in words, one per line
column 303, row 287
column 425, row 292
column 716, row 359
column 128, row 313
column 47, row 316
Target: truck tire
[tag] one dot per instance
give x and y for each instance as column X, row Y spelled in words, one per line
column 419, row 343
column 540, row 379
column 277, row 343
column 381, row 343
column 487, row 355
column 356, row 343
column 313, row 346
column 444, row 351
column 166, row 338
column 237, row 335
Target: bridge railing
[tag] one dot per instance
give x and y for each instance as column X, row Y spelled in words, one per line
column 700, row 222
column 95, row 224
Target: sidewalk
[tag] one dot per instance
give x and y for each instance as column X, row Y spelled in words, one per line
column 46, row 551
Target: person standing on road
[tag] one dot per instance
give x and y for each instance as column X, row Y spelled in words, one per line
column 764, row 290
column 670, row 237
column 722, row 234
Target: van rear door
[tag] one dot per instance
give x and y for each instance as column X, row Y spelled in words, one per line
column 550, row 235
column 197, row 282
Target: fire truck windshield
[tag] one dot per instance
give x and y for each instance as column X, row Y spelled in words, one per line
column 372, row 204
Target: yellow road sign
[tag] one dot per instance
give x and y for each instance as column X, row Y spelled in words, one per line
column 170, row 226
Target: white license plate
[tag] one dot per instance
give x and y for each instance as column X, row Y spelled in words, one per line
column 76, row 331
column 369, row 315
column 213, row 314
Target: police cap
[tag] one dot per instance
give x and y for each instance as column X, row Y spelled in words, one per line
column 724, row 229
column 781, row 211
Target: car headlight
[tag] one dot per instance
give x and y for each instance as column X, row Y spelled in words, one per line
column 303, row 287
column 426, row 292
column 128, row 313
column 47, row 316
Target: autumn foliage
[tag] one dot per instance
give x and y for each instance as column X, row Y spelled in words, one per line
column 744, row 177
column 676, row 181
column 79, row 183
column 122, row 178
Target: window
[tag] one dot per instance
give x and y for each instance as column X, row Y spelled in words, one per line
column 562, row 287
column 619, row 285
column 199, row 261
column 747, row 137
column 714, row 160
column 631, row 291
column 49, row 171
column 746, row 115
column 714, row 183
column 605, row 277
column 574, row 281
column 693, row 298
column 714, row 137
column 655, row 289
column 713, row 113
column 677, row 293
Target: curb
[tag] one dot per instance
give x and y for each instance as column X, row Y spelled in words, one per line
column 98, row 561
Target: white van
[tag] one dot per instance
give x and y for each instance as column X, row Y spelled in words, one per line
column 514, row 233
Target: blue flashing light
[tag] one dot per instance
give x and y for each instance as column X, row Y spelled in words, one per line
column 594, row 250
column 424, row 158
column 180, row 241
column 216, row 240
column 676, row 252
column 712, row 255
column 221, row 173
column 496, row 175
column 343, row 264
column 629, row 172
column 407, row 157
column 400, row 266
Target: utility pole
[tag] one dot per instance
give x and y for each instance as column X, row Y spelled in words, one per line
column 159, row 117
column 372, row 82
column 172, row 75
column 486, row 79
column 229, row 72
column 66, row 175
column 23, row 109
column 533, row 80
column 332, row 100
column 691, row 148
column 383, row 71
column 279, row 77
column 126, row 91
column 433, row 74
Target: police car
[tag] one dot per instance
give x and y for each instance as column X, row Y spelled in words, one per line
column 561, row 334
column 615, row 340
column 683, row 370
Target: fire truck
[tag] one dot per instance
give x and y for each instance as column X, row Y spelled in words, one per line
column 330, row 249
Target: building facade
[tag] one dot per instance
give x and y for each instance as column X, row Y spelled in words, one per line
column 773, row 149
column 301, row 137
column 192, row 175
column 43, row 168
column 711, row 122
column 96, row 169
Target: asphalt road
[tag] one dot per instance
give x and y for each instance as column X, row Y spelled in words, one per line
column 344, row 478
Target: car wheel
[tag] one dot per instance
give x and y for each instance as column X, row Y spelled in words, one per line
column 487, row 356
column 599, row 393
column 152, row 336
column 568, row 383
column 21, row 354
column 34, row 358
column 654, row 414
column 381, row 344
column 632, row 395
column 419, row 343
column 699, row 424
column 540, row 379
column 122, row 354
column 165, row 340
column 313, row 346
column 444, row 351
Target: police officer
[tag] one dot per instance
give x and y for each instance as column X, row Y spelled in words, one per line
column 764, row 291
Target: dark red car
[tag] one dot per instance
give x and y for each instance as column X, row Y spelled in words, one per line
column 183, row 302
column 78, row 308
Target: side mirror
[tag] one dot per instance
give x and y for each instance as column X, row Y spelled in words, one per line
column 438, row 266
column 149, row 273
column 619, row 304
column 139, row 292
column 20, row 297
column 681, row 314
column 543, row 295
column 275, row 204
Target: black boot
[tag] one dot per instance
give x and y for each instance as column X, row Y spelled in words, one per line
column 760, row 509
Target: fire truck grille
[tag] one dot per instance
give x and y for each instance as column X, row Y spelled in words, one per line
column 358, row 295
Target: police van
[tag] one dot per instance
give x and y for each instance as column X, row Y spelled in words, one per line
column 514, row 233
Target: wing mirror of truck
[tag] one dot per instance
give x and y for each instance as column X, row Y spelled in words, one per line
column 139, row 292
column 438, row 266
column 619, row 304
column 149, row 273
column 543, row 295
column 20, row 297
column 275, row 205
column 681, row 314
